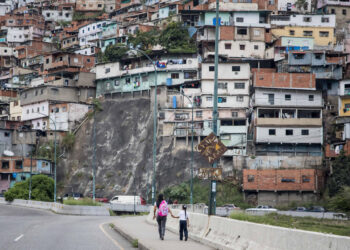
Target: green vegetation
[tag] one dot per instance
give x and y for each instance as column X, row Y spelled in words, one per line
column 340, row 176
column 112, row 213
column 47, row 151
column 111, row 225
column 80, row 16
column 341, row 201
column 227, row 193
column 174, row 38
column 304, row 223
column 81, row 202
column 68, row 140
column 135, row 243
column 42, row 189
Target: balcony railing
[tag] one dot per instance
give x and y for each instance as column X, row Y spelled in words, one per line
column 289, row 121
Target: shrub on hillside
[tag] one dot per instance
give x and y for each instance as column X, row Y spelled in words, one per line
column 42, row 189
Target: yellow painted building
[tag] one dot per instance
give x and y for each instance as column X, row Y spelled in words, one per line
column 323, row 36
column 344, row 106
column 15, row 111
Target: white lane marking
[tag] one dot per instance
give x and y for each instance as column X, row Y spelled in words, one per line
column 18, row 238
column 110, row 237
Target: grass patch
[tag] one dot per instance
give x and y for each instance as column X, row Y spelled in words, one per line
column 135, row 243
column 81, row 202
column 111, row 225
column 112, row 213
column 337, row 227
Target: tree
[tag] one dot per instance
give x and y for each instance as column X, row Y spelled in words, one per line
column 42, row 189
column 340, row 176
column 114, row 53
column 175, row 38
column 341, row 201
column 301, row 4
column 144, row 40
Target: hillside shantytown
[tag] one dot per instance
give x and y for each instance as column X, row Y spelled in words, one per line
column 283, row 88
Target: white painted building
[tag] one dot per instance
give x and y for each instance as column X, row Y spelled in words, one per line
column 287, row 98
column 58, row 15
column 291, row 6
column 86, row 51
column 65, row 115
column 289, row 135
column 6, row 7
column 250, row 49
column 23, row 34
column 304, row 20
column 249, row 19
column 90, row 32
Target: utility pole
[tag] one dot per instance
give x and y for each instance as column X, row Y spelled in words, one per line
column 30, row 177
column 94, row 156
column 212, row 200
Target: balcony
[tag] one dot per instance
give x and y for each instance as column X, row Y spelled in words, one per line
column 58, row 65
column 317, row 122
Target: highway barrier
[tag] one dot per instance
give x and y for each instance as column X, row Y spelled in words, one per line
column 225, row 233
column 61, row 208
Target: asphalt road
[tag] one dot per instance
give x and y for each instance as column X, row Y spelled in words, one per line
column 34, row 229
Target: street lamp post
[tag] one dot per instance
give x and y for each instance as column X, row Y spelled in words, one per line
column 55, row 172
column 192, row 125
column 154, row 120
column 154, row 123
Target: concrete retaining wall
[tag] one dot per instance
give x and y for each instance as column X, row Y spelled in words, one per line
column 61, row 208
column 224, row 233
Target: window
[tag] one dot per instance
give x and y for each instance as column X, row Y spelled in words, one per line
column 239, row 98
column 222, row 99
column 256, row 47
column 227, row 45
column 234, row 114
column 272, row 131
column 307, row 19
column 190, row 75
column 239, row 19
column 222, row 85
column 332, row 11
column 250, row 178
column 292, row 32
column 305, row 178
column 18, row 165
column 287, row 179
column 99, row 5
column 239, row 85
column 324, row 34
column 37, row 109
column 47, row 60
column 107, row 70
column 41, row 91
column 64, row 109
column 127, row 80
column 236, row 68
column 242, row 31
column 271, row 99
column 209, row 98
column 211, row 68
column 116, row 83
column 311, row 98
column 242, row 47
column 5, row 165
column 307, row 32
column 318, row 56
column 174, row 75
column 7, row 134
column 344, row 12
column 289, row 131
column 287, row 97
column 304, row 132
column 325, row 19
column 199, row 114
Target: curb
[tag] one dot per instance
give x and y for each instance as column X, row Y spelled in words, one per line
column 130, row 238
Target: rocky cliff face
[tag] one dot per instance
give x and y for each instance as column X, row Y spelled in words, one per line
column 124, row 139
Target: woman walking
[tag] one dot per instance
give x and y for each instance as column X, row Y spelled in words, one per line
column 163, row 210
column 184, row 222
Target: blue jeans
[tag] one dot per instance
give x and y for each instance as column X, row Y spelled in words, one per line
column 183, row 229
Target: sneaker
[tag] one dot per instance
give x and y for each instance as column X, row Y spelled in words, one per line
column 185, row 238
column 162, row 238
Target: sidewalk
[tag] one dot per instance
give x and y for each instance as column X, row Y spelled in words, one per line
column 136, row 227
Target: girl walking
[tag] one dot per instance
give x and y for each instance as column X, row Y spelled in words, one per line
column 163, row 210
column 184, row 222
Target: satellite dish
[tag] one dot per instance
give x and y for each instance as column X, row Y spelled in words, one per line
column 8, row 153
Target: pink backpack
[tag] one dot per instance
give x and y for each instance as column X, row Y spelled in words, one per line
column 163, row 209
